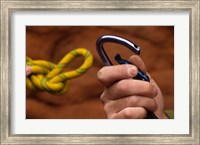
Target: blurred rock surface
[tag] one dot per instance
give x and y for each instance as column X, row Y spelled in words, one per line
column 82, row 99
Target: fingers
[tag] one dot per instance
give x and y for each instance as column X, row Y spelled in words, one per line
column 28, row 70
column 128, row 87
column 123, row 96
column 110, row 74
column 138, row 62
column 113, row 107
column 130, row 113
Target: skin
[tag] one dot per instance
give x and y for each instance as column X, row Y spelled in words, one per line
column 28, row 70
column 126, row 98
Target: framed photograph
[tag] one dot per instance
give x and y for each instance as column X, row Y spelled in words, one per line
column 52, row 34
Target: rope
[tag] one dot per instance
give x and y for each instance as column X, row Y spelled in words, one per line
column 47, row 76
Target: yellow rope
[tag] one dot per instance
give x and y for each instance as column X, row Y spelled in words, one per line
column 47, row 76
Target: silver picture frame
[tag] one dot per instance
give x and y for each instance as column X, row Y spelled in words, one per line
column 8, row 7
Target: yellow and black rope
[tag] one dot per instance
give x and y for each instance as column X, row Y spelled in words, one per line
column 47, row 76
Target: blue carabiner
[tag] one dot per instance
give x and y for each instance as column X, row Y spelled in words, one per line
column 115, row 39
column 133, row 47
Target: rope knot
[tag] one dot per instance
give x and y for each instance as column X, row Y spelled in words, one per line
column 47, row 76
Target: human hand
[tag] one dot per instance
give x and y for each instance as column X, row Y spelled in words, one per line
column 28, row 70
column 124, row 97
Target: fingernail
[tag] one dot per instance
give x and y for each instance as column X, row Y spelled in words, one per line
column 132, row 71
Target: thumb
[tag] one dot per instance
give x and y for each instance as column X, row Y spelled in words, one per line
column 138, row 62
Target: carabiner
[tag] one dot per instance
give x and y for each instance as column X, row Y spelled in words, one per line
column 133, row 47
column 110, row 38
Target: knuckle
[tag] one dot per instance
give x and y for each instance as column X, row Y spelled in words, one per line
column 107, row 110
column 111, row 116
column 102, row 97
column 149, row 89
column 106, row 107
column 155, row 91
column 133, row 100
column 154, row 105
column 122, row 87
column 105, row 96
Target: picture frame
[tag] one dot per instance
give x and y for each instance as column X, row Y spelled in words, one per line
column 9, row 7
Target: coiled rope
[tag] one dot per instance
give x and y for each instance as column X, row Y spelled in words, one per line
column 47, row 76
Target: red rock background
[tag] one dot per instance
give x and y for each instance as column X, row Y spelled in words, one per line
column 82, row 99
